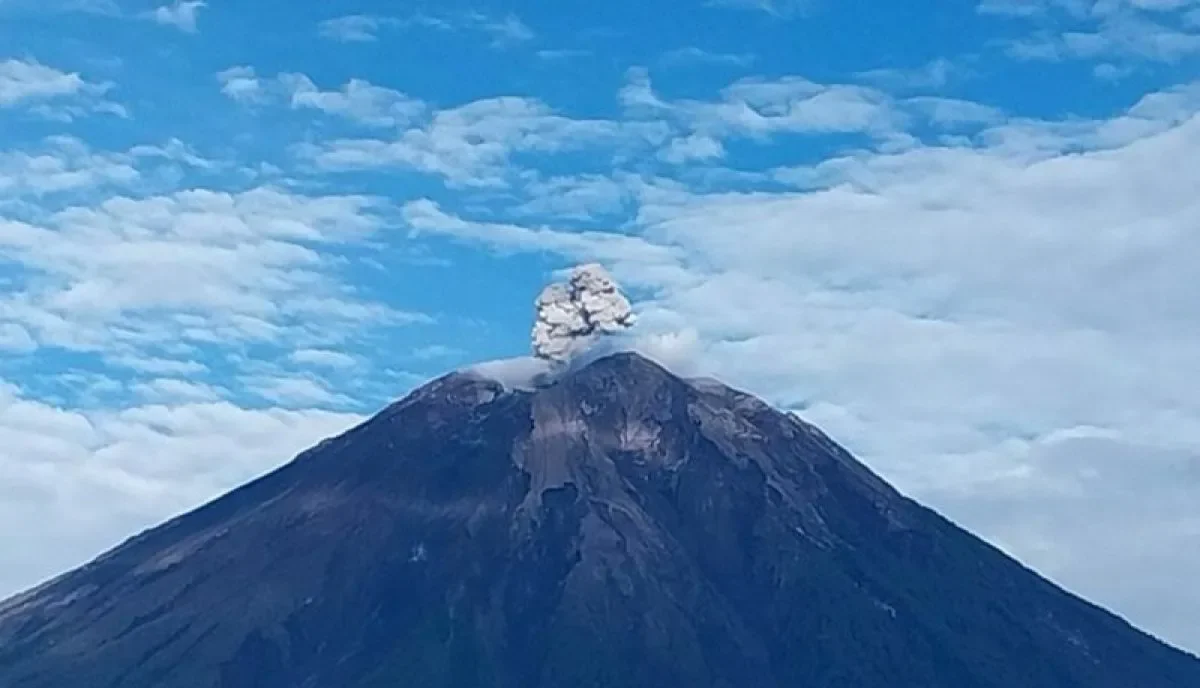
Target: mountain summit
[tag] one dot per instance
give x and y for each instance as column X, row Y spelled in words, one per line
column 620, row 527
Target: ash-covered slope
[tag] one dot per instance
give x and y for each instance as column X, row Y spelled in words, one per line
column 621, row 527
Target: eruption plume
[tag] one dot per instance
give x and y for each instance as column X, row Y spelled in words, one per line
column 572, row 315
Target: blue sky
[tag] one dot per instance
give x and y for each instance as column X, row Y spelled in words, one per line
column 961, row 237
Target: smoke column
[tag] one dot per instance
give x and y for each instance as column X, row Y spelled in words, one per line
column 572, row 315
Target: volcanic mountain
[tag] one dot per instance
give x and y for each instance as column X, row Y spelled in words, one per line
column 617, row 527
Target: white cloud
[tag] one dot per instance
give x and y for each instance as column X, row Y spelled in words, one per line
column 354, row 28
column 1134, row 38
column 181, row 15
column 952, row 111
column 933, row 75
column 471, row 145
column 1080, row 8
column 65, row 169
column 107, row 8
column 694, row 55
column 1110, row 72
column 1156, row 30
column 579, row 197
column 425, row 216
column 775, row 8
column 173, row 150
column 52, row 93
column 157, row 366
column 474, row 145
column 696, row 147
column 88, row 479
column 173, row 390
column 64, row 164
column 513, row 373
column 323, row 358
column 759, row 107
column 241, row 84
column 357, row 100
column 198, row 267
column 504, row 31
column 1107, row 516
column 21, row 81
column 362, row 28
column 295, row 391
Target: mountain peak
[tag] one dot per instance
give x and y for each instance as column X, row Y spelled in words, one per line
column 612, row 526
column 625, row 364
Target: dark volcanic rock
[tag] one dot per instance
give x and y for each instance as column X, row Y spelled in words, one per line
column 621, row 527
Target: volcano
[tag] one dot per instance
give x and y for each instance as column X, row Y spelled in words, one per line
column 617, row 527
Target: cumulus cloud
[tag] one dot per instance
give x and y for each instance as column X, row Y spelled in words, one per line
column 27, row 80
column 52, row 93
column 364, row 28
column 181, row 15
column 241, row 83
column 1154, row 30
column 572, row 315
column 357, row 100
column 757, row 108
column 579, row 197
column 472, row 145
column 63, row 164
column 66, row 168
column 696, row 147
column 323, row 358
column 504, row 31
column 354, row 28
column 156, row 365
column 166, row 389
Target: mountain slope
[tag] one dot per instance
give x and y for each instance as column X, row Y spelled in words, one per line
column 620, row 527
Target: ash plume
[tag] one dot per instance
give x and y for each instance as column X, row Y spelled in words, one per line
column 573, row 315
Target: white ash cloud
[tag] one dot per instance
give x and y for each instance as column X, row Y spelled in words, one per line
column 524, row 373
column 573, row 315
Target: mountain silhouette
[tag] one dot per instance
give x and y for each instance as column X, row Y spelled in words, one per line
column 617, row 527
